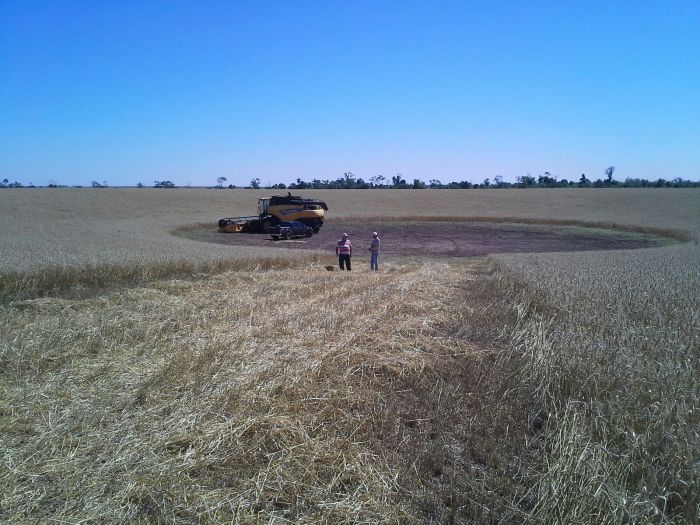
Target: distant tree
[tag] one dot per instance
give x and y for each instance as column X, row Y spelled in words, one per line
column 526, row 181
column 139, row 185
column 498, row 179
column 583, row 181
column 255, row 183
column 463, row 184
column 609, row 174
column 486, row 183
column 418, row 184
column 349, row 179
column 377, row 181
column 637, row 183
column 163, row 184
column 678, row 182
column 300, row 185
column 397, row 181
column 360, row 184
column 96, row 184
column 547, row 180
column 4, row 183
column 220, row 182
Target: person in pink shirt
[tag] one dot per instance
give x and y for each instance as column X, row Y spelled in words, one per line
column 343, row 249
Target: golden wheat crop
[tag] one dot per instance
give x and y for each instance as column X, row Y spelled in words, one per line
column 614, row 348
column 253, row 396
column 548, row 388
column 86, row 227
column 67, row 227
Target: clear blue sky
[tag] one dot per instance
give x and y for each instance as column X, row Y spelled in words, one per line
column 140, row 91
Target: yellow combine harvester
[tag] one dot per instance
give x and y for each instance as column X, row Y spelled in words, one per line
column 276, row 209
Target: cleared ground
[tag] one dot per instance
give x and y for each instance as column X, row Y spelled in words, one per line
column 443, row 238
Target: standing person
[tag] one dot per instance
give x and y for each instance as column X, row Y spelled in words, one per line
column 374, row 250
column 344, row 252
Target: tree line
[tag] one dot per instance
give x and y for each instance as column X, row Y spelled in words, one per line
column 350, row 181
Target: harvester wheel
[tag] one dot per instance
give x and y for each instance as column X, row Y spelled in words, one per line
column 286, row 236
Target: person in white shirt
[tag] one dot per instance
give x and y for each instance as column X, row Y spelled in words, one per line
column 374, row 250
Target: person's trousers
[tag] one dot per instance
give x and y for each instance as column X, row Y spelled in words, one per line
column 374, row 261
column 344, row 260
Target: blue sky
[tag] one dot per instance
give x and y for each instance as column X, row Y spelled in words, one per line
column 133, row 92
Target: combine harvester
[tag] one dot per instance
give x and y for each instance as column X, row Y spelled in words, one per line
column 277, row 209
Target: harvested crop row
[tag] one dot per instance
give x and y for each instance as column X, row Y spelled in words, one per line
column 253, row 395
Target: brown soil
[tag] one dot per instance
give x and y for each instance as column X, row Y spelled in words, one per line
column 444, row 239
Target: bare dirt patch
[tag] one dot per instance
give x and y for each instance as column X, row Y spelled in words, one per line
column 444, row 238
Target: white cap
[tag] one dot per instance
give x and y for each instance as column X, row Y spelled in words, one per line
column 345, row 235
column 375, row 233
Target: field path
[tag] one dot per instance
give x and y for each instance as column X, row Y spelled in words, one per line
column 246, row 392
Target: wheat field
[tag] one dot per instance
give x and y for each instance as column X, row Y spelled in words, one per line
column 73, row 227
column 239, row 385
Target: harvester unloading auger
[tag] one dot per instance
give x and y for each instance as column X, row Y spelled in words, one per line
column 276, row 209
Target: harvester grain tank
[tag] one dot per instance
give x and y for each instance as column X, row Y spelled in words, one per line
column 276, row 209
